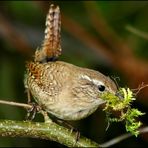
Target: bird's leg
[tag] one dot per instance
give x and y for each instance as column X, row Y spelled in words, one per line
column 28, row 96
column 32, row 111
column 35, row 109
column 47, row 119
column 77, row 137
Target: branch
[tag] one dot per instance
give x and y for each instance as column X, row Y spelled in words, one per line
column 42, row 130
column 48, row 131
column 122, row 137
column 137, row 32
column 26, row 106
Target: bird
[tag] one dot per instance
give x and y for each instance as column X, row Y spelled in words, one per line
column 62, row 89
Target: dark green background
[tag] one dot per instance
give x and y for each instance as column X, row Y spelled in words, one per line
column 28, row 18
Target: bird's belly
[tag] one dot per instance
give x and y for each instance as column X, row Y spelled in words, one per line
column 71, row 114
column 71, row 111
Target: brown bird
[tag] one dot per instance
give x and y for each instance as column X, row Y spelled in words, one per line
column 64, row 90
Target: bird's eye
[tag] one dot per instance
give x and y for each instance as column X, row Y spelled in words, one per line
column 101, row 87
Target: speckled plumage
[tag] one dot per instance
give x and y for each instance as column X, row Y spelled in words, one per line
column 65, row 90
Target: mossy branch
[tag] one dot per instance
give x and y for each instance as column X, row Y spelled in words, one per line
column 41, row 130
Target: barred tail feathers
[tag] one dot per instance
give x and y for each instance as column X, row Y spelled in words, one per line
column 51, row 46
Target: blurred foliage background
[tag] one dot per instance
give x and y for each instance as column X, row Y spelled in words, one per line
column 111, row 37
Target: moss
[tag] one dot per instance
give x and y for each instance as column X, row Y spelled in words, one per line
column 122, row 103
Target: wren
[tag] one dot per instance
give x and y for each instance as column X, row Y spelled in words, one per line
column 62, row 89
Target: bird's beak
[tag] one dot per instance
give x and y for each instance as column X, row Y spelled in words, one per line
column 119, row 95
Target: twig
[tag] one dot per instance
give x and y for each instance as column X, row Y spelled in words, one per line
column 48, row 131
column 121, row 138
column 137, row 32
column 140, row 87
column 26, row 106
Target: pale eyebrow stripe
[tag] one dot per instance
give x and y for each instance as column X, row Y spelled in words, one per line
column 86, row 77
column 96, row 82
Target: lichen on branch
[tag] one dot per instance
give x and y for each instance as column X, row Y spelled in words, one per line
column 42, row 130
